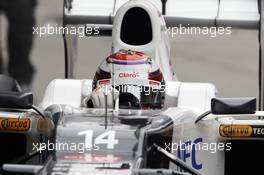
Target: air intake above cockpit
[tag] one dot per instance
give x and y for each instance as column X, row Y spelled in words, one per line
column 136, row 28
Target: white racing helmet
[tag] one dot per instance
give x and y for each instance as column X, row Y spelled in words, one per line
column 137, row 78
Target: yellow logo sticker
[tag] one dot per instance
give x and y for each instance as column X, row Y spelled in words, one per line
column 235, row 130
column 14, row 124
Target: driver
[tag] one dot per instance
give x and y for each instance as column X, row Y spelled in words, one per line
column 130, row 77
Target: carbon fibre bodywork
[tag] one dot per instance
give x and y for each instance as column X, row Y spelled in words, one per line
column 85, row 144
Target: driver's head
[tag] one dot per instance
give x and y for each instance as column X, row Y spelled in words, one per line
column 137, row 78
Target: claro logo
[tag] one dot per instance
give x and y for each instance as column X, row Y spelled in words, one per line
column 128, row 75
column 12, row 124
column 235, row 130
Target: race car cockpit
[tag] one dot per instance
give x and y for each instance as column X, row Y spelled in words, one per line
column 131, row 77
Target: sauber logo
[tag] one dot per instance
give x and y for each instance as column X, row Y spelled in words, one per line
column 12, row 124
column 128, row 75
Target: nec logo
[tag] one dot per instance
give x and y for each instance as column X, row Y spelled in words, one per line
column 191, row 154
column 128, row 75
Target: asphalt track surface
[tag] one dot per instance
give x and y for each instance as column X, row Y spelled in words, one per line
column 229, row 62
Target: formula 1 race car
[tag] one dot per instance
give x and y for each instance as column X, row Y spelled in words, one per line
column 194, row 133
column 95, row 141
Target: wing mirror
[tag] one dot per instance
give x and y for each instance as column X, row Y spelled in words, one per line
column 225, row 106
column 16, row 100
column 233, row 105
